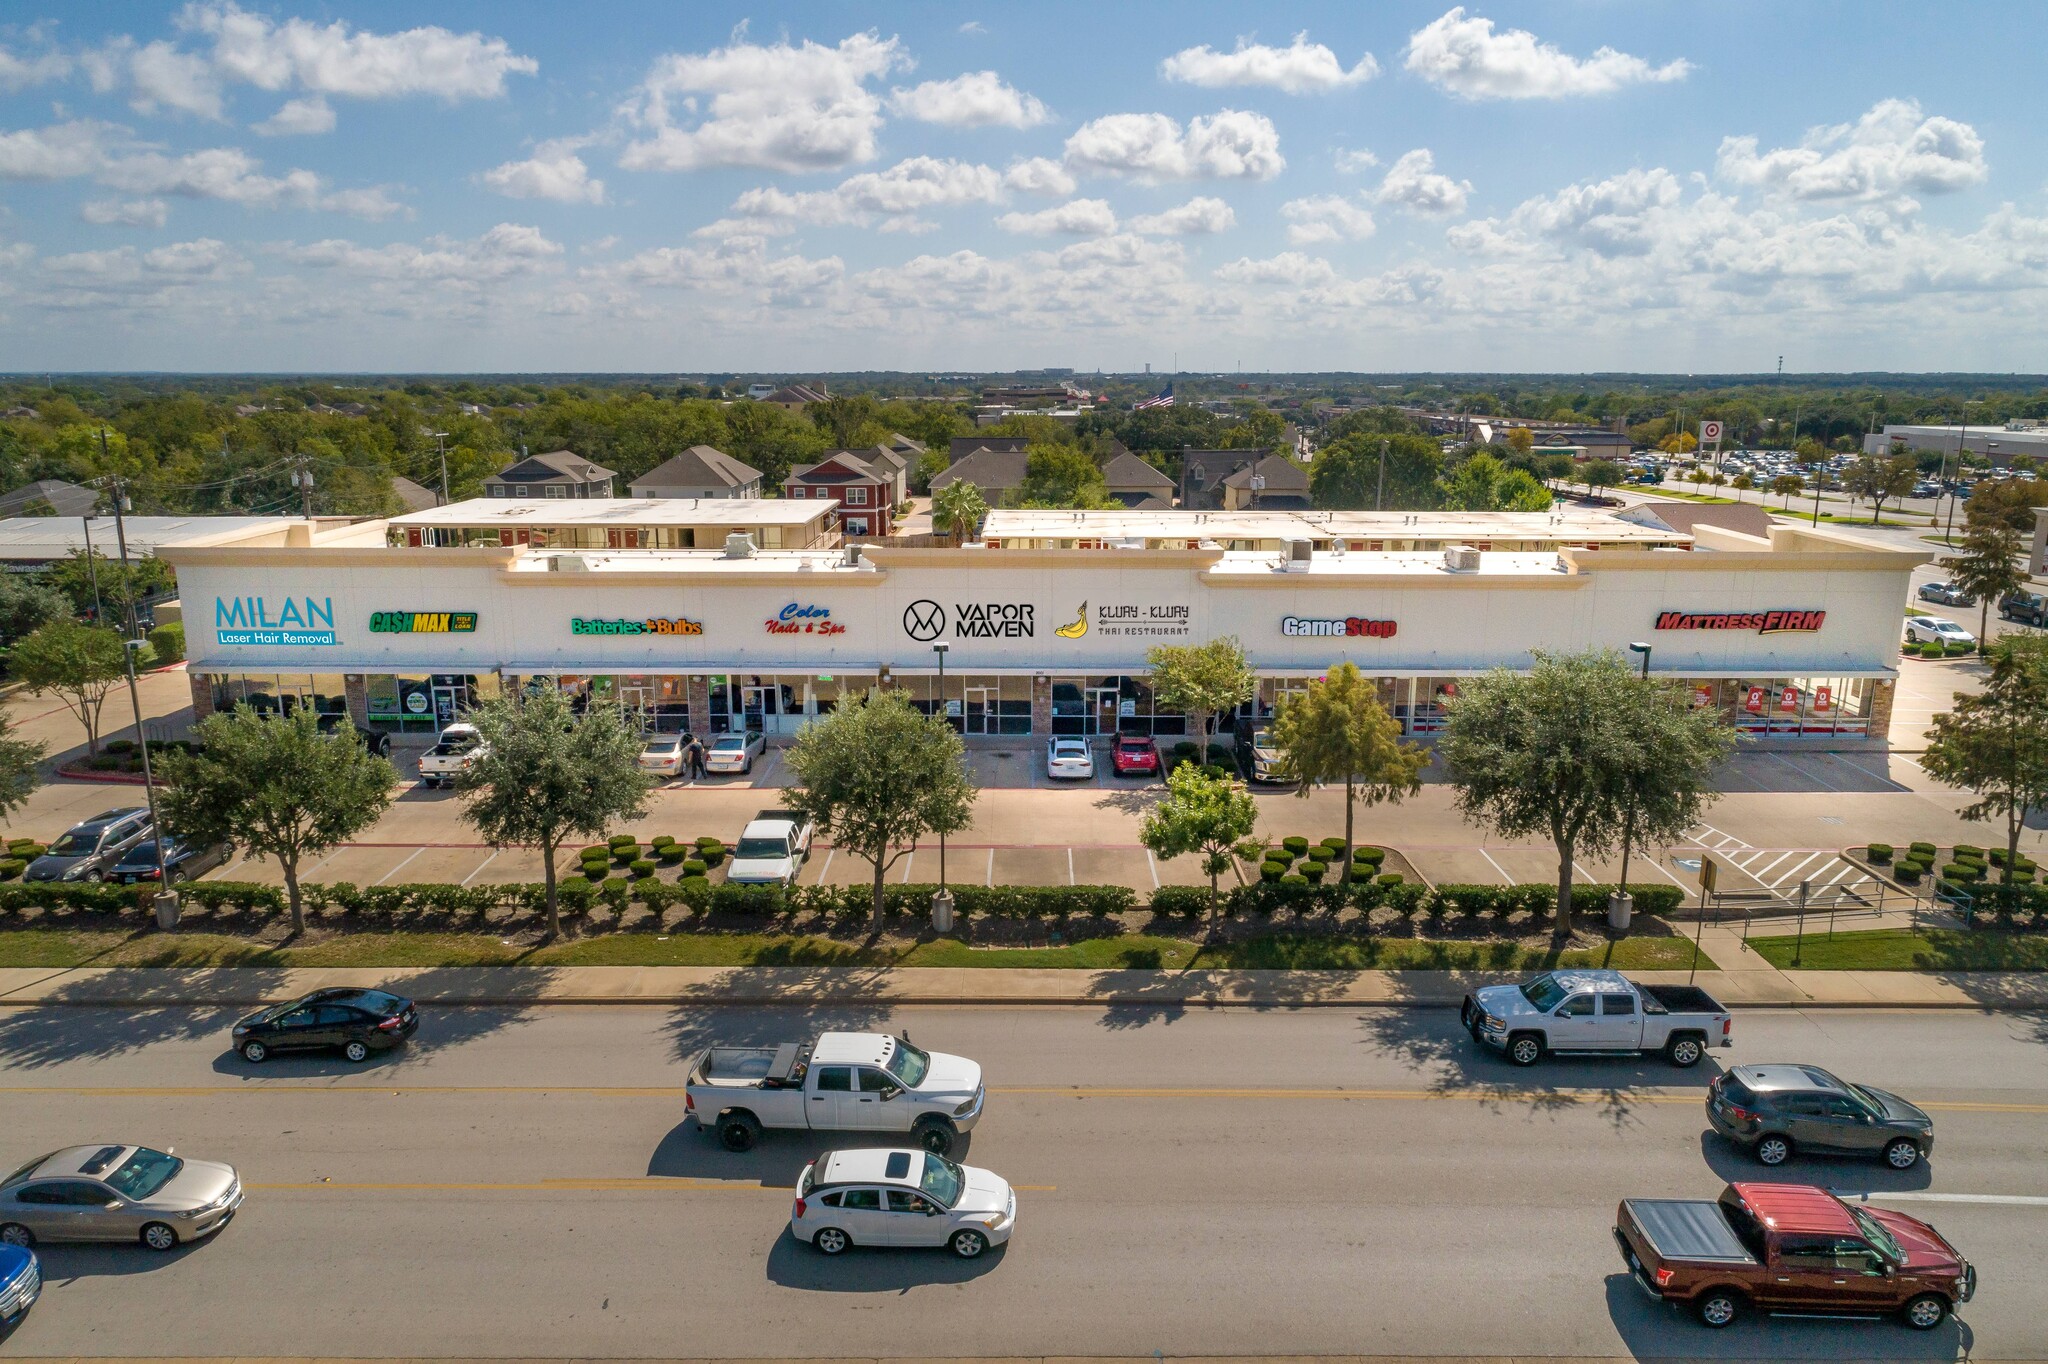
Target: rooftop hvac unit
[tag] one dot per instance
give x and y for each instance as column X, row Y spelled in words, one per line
column 1299, row 554
column 739, row 545
column 1461, row 558
column 851, row 559
column 569, row 563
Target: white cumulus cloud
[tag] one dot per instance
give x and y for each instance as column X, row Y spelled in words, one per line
column 1303, row 68
column 125, row 212
column 332, row 59
column 1414, row 184
column 1076, row 218
column 507, row 250
column 1289, row 269
column 1465, row 56
column 1039, row 175
column 1326, row 218
column 1353, row 161
column 979, row 99
column 888, row 197
column 554, row 171
column 780, row 107
column 298, row 118
column 18, row 72
column 1230, row 145
column 1196, row 217
column 1893, row 149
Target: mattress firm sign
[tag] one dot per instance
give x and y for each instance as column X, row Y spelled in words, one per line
column 1762, row 622
column 293, row 621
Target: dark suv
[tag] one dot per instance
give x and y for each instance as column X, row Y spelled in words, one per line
column 1776, row 1110
column 2029, row 608
column 355, row 1022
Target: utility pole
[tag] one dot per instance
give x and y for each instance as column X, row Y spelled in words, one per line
column 167, row 900
column 92, row 570
column 441, row 447
column 1379, row 498
column 1962, row 438
column 302, row 479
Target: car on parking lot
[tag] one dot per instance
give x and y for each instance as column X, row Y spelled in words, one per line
column 454, row 753
column 117, row 1192
column 1134, row 755
column 662, row 755
column 1948, row 594
column 182, row 861
column 771, row 850
column 735, row 752
column 1779, row 1110
column 86, row 851
column 21, row 1283
column 1935, row 630
column 334, row 722
column 2028, row 608
column 1068, row 759
column 351, row 1021
column 882, row 1197
column 1258, row 753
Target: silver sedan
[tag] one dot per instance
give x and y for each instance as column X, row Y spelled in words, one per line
column 117, row 1193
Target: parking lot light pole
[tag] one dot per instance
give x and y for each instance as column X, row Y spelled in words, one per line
column 166, row 898
column 942, row 899
column 1620, row 907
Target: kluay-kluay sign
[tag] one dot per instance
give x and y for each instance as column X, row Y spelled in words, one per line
column 1763, row 622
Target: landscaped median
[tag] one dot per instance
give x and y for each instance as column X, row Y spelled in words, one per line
column 1899, row 949
column 1366, row 925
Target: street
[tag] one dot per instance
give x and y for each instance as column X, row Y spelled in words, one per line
column 522, row 1183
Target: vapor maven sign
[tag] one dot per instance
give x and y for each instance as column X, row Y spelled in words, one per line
column 1762, row 622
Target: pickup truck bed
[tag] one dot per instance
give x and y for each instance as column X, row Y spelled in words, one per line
column 1687, row 1229
column 750, row 1067
column 1680, row 999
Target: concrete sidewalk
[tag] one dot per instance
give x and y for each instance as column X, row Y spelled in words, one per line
column 1745, row 987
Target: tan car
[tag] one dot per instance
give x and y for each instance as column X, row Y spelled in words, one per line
column 117, row 1193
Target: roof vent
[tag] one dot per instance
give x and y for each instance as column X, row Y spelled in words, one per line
column 739, row 545
column 1461, row 558
column 852, row 557
column 568, row 563
column 1299, row 554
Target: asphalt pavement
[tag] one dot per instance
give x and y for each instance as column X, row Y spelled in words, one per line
column 1358, row 1182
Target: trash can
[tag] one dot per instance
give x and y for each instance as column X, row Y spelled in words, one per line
column 942, row 911
column 167, row 910
column 1621, row 907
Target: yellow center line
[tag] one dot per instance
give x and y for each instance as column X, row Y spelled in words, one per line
column 1465, row 1094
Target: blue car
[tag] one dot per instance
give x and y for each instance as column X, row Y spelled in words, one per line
column 21, row 1283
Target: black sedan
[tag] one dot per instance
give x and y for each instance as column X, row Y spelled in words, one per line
column 379, row 744
column 354, row 1022
column 182, row 862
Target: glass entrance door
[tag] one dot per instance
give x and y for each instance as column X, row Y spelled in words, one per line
column 1102, row 710
column 756, row 704
column 981, row 710
column 637, row 699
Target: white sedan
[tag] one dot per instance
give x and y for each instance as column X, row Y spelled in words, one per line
column 1069, row 760
column 1934, row 630
column 663, row 755
column 900, row 1198
column 734, row 752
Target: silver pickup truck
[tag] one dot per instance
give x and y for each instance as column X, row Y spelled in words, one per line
column 843, row 1082
column 1595, row 1012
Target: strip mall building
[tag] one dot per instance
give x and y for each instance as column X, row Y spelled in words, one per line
column 1794, row 634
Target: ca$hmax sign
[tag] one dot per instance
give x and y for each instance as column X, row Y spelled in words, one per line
column 254, row 620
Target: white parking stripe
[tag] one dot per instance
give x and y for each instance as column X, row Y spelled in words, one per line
column 1072, row 880
column 1791, row 873
column 397, row 869
column 1807, row 773
column 1773, row 862
column 1672, row 879
column 1151, row 863
column 909, row 861
column 1875, row 776
column 827, row 866
column 480, row 867
column 1505, row 878
column 989, row 878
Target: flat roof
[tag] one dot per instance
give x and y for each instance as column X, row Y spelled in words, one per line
column 1574, row 524
column 1415, row 564
column 620, row 511
column 713, row 561
column 55, row 537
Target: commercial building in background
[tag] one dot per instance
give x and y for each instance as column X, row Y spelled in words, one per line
column 1792, row 635
column 1998, row 444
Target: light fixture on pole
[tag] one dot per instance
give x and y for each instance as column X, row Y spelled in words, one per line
column 942, row 898
column 1644, row 650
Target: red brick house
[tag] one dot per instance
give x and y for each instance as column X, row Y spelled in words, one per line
column 862, row 490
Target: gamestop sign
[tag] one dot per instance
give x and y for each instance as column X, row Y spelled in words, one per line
column 1347, row 627
column 1761, row 622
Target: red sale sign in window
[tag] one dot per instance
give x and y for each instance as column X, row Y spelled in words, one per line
column 1702, row 697
column 1756, row 699
column 1788, row 699
column 1823, row 698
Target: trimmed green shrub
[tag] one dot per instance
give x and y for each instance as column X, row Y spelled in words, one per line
column 709, row 842
column 660, row 841
column 1969, row 850
column 642, row 868
column 625, row 852
column 1918, row 848
column 1321, row 854
column 1272, row 871
column 1962, row 871
column 1295, row 844
column 695, row 890
column 1908, row 873
column 1314, row 870
column 12, row 867
column 1334, row 844
column 1879, row 852
column 1372, row 856
column 1182, row 902
column 118, row 746
column 694, row 866
column 168, row 642
column 671, row 853
column 1957, row 649
column 1294, row 879
column 1390, row 878
column 597, row 850
column 712, row 856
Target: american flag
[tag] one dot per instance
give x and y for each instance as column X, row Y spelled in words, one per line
column 1164, row 398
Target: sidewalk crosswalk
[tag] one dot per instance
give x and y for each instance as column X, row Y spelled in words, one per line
column 1780, row 870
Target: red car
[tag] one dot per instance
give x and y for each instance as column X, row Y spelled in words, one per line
column 1134, row 756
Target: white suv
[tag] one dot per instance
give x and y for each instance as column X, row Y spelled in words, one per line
column 900, row 1198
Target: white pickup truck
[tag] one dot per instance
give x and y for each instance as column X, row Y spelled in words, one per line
column 450, row 757
column 771, row 850
column 1596, row 1011
column 843, row 1082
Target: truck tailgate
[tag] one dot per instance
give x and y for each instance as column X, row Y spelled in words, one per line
column 1687, row 1229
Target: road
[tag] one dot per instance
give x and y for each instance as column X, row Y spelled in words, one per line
column 521, row 1183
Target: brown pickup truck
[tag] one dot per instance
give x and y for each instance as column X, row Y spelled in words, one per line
column 1790, row 1248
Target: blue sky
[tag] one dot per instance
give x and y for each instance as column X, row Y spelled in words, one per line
column 1588, row 185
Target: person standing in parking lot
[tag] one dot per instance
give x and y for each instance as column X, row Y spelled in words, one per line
column 696, row 758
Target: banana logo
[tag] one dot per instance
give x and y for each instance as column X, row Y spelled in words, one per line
column 1078, row 628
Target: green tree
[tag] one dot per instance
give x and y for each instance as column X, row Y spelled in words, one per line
column 1600, row 473
column 276, row 786
column 1742, row 483
column 78, row 664
column 1337, row 731
column 1202, row 814
column 1259, row 429
column 18, row 759
column 1880, row 480
column 1346, row 473
column 958, row 508
column 1483, row 483
column 75, row 575
column 1062, row 476
column 877, row 775
column 2009, row 502
column 26, row 604
column 1786, row 486
column 1580, row 749
column 544, row 775
column 1995, row 742
column 1993, row 563
column 843, row 415
column 1201, row 680
column 1520, row 439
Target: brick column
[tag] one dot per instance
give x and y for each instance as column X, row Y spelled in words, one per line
column 1041, row 706
column 1881, row 696
column 356, row 688
column 202, row 695
column 697, row 694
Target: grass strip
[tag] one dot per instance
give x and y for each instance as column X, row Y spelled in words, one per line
column 1900, row 949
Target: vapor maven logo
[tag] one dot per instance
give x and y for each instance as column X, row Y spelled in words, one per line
column 924, row 621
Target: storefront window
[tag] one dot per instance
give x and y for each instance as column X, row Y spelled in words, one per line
column 1803, row 706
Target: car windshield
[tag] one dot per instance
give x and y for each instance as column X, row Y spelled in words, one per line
column 145, row 853
column 761, row 847
column 664, row 746
column 24, row 1172
column 75, row 843
column 910, row 1065
column 1544, row 993
column 1874, row 1232
column 943, row 1179
column 144, row 1172
column 730, row 743
column 1870, row 1101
